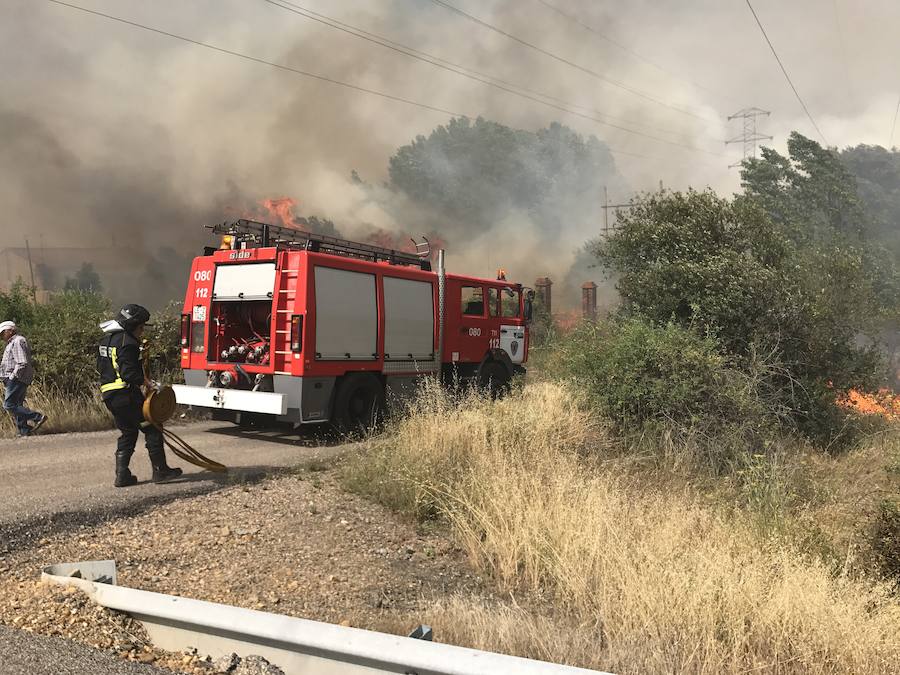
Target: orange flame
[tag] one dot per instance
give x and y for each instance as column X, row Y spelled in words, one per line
column 884, row 402
column 280, row 209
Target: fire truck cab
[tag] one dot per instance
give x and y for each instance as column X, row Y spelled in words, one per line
column 307, row 328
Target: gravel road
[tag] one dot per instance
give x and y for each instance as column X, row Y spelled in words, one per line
column 59, row 483
column 24, row 653
column 314, row 550
column 49, row 482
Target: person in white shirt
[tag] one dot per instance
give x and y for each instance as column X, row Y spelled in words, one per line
column 16, row 373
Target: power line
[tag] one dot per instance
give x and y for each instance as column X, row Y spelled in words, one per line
column 446, row 65
column 254, row 59
column 894, row 125
column 297, row 71
column 574, row 19
column 561, row 59
column 783, row 70
column 450, row 65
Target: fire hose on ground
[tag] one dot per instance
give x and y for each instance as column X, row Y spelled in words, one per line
column 159, row 406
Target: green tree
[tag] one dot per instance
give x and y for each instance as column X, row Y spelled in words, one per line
column 17, row 305
column 810, row 193
column 475, row 173
column 877, row 174
column 730, row 270
column 843, row 211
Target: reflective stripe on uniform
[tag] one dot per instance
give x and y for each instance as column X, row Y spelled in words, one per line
column 118, row 383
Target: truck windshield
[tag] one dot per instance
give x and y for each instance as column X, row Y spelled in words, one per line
column 503, row 302
column 510, row 302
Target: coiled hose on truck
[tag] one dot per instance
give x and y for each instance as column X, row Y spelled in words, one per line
column 159, row 406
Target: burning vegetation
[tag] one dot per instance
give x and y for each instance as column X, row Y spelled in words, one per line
column 282, row 211
column 884, row 402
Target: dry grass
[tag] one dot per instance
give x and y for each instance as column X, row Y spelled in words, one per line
column 65, row 413
column 613, row 571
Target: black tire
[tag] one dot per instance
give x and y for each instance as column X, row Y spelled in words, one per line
column 358, row 404
column 493, row 378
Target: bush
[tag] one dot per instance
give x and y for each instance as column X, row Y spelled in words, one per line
column 165, row 344
column 886, row 539
column 64, row 334
column 729, row 270
column 636, row 372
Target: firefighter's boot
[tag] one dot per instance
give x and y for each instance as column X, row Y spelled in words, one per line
column 124, row 477
column 162, row 472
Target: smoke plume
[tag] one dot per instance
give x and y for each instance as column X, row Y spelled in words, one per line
column 114, row 137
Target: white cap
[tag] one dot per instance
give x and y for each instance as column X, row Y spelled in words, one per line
column 7, row 325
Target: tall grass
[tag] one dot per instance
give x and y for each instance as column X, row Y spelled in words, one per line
column 614, row 571
column 65, row 411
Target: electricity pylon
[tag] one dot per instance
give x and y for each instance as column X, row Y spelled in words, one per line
column 749, row 136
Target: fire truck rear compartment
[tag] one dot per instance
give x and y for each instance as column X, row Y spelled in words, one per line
column 240, row 332
column 240, row 324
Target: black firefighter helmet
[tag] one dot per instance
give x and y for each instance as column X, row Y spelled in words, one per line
column 132, row 316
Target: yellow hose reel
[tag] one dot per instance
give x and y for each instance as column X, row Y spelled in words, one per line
column 159, row 406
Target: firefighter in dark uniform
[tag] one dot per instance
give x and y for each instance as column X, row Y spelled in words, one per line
column 121, row 378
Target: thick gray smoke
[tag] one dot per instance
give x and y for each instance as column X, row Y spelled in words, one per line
column 115, row 137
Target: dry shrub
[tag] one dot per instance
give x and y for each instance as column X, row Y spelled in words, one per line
column 654, row 580
column 508, row 627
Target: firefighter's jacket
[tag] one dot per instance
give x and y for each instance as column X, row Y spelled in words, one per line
column 119, row 364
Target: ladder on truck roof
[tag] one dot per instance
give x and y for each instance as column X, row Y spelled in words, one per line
column 264, row 234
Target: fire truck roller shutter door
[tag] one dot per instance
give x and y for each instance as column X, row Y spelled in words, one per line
column 408, row 320
column 346, row 315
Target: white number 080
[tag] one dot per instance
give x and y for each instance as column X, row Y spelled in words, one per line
column 474, row 332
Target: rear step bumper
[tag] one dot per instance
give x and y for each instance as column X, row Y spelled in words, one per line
column 231, row 399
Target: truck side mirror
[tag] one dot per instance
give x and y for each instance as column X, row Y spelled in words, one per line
column 529, row 309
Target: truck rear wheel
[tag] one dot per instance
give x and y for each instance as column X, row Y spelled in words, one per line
column 359, row 403
column 493, row 378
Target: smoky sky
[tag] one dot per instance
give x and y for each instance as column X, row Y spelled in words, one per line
column 109, row 133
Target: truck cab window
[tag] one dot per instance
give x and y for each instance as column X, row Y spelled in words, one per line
column 472, row 300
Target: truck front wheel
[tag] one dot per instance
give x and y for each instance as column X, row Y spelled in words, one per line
column 358, row 404
column 494, row 379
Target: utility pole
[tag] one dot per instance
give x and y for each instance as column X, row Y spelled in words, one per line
column 31, row 269
column 605, row 212
column 749, row 136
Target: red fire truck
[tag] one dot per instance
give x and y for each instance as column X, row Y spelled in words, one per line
column 306, row 328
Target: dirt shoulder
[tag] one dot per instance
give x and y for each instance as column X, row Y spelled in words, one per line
column 296, row 545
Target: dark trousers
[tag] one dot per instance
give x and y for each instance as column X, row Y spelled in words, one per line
column 14, row 404
column 127, row 411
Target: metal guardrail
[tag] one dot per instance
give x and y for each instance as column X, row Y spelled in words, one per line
column 297, row 646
